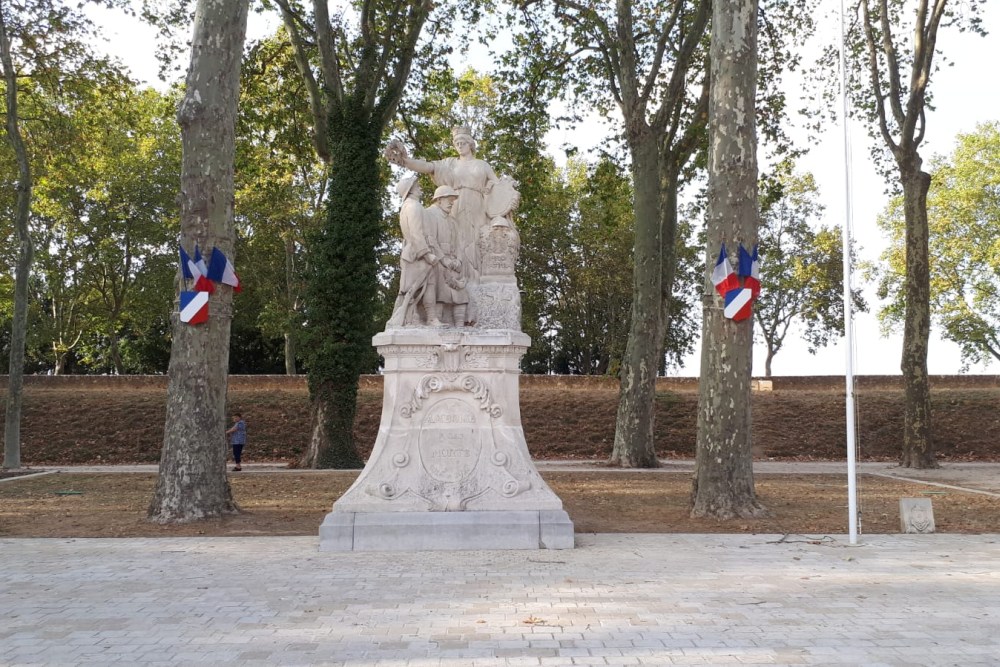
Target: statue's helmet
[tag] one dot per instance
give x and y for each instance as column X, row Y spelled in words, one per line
column 444, row 191
column 405, row 185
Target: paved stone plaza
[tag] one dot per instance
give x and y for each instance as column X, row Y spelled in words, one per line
column 614, row 600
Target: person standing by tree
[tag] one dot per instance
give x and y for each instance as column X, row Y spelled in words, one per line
column 237, row 439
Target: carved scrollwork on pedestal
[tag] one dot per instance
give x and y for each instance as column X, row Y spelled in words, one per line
column 428, row 360
column 435, row 383
column 481, row 392
column 427, row 384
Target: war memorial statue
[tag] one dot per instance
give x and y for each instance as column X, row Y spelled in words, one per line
column 450, row 468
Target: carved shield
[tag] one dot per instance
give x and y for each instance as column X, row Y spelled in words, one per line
column 449, row 440
column 503, row 198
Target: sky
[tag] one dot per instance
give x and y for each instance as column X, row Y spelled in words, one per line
column 963, row 99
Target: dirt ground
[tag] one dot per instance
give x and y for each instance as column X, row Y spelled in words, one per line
column 72, row 505
column 124, row 425
column 72, row 426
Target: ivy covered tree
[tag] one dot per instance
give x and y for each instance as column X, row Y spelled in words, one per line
column 963, row 209
column 355, row 66
column 43, row 47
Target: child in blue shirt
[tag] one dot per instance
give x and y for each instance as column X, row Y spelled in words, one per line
column 237, row 438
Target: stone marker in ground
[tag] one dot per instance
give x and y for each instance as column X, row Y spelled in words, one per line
column 450, row 468
column 916, row 515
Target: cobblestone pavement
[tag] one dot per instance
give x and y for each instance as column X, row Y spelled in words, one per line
column 614, row 600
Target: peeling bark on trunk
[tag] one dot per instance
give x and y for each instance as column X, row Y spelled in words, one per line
column 723, row 482
column 918, row 448
column 634, row 442
column 25, row 253
column 192, row 483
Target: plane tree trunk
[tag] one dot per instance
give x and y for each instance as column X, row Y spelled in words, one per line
column 25, row 253
column 192, row 483
column 723, row 480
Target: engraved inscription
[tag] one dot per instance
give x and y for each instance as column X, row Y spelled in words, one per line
column 449, row 440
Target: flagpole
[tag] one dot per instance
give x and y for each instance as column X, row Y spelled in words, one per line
column 852, row 476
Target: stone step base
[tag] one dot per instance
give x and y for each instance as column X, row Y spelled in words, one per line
column 446, row 531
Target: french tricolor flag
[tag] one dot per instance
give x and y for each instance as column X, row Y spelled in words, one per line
column 194, row 307
column 220, row 269
column 194, row 269
column 723, row 276
column 739, row 304
column 750, row 269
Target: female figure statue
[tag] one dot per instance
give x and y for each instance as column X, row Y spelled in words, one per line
column 471, row 177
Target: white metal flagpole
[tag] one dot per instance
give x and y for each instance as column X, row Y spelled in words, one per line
column 852, row 473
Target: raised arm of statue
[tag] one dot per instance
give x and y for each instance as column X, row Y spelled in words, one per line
column 396, row 153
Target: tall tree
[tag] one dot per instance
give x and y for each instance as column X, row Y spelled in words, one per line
column 19, row 321
column 723, row 480
column 963, row 207
column 192, row 483
column 893, row 95
column 649, row 58
column 801, row 267
column 43, row 46
column 364, row 61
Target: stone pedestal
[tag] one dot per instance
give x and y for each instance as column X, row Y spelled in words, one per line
column 450, row 469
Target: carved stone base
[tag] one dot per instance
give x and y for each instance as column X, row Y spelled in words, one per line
column 450, row 453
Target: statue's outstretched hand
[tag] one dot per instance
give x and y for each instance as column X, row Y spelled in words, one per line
column 395, row 152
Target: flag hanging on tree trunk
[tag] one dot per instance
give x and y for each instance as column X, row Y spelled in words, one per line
column 723, row 276
column 194, row 307
column 220, row 269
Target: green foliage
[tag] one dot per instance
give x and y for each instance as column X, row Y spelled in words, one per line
column 104, row 209
column 281, row 189
column 963, row 209
column 104, row 159
column 801, row 268
column 577, row 257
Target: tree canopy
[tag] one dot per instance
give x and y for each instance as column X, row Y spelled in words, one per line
column 963, row 211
